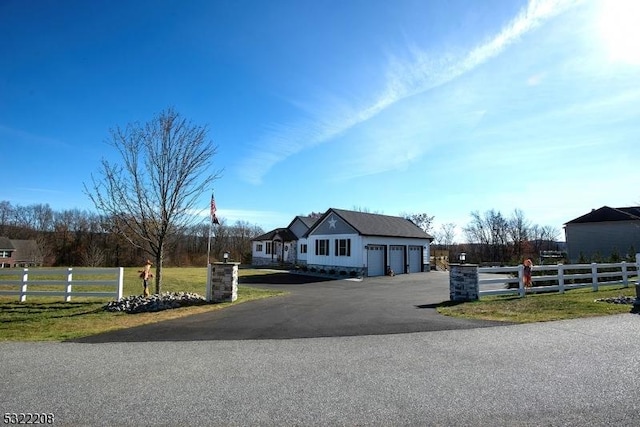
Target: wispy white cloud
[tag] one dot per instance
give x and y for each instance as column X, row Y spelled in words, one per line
column 421, row 73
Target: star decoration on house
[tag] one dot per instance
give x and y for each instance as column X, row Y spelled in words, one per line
column 332, row 223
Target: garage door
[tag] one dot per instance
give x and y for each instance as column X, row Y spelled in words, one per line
column 375, row 260
column 396, row 259
column 415, row 259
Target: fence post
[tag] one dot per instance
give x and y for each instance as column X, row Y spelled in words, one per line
column 625, row 274
column 23, row 288
column 594, row 276
column 521, row 290
column 67, row 291
column 636, row 303
column 561, row 278
column 120, row 281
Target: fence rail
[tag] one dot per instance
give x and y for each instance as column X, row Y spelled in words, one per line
column 562, row 277
column 70, row 277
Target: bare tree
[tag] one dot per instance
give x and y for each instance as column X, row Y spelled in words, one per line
column 518, row 231
column 489, row 233
column 152, row 195
column 446, row 235
column 422, row 220
column 93, row 256
column 365, row 209
column 6, row 216
column 36, row 218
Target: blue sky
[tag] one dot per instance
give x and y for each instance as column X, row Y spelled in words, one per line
column 444, row 107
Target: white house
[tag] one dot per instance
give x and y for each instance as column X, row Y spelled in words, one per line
column 348, row 242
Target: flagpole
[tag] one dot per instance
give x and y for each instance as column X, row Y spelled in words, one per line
column 209, row 245
column 212, row 220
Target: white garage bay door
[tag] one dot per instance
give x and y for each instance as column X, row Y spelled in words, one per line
column 415, row 259
column 396, row 259
column 375, row 260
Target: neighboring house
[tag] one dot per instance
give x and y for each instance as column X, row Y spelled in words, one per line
column 603, row 232
column 7, row 251
column 19, row 253
column 348, row 242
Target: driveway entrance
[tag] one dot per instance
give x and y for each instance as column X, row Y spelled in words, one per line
column 330, row 308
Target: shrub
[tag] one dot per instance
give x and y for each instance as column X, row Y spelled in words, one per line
column 343, row 273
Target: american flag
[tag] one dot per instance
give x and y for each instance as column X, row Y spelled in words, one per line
column 214, row 219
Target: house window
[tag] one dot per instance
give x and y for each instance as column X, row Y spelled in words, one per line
column 259, row 247
column 343, row 247
column 5, row 254
column 303, row 248
column 322, row 247
column 269, row 248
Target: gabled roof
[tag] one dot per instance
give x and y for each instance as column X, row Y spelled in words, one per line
column 26, row 250
column 283, row 233
column 5, row 243
column 306, row 220
column 368, row 224
column 606, row 213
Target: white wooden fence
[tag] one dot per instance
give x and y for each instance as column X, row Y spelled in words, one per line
column 564, row 277
column 28, row 278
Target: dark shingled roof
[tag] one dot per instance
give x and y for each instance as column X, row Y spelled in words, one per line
column 368, row 224
column 284, row 233
column 606, row 213
column 306, row 220
column 309, row 221
column 5, row 243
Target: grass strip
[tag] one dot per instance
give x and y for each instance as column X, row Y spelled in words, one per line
column 542, row 307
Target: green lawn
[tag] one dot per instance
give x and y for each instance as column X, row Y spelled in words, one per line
column 50, row 318
column 542, row 307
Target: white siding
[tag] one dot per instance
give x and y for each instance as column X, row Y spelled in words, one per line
column 354, row 260
column 301, row 256
column 359, row 257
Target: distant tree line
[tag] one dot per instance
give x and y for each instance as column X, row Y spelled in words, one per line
column 77, row 237
column 495, row 238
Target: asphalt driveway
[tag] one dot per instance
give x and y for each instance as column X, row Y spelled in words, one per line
column 315, row 308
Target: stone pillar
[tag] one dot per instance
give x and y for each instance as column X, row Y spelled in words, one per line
column 463, row 282
column 223, row 282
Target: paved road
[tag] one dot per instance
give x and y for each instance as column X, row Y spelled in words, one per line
column 570, row 373
column 312, row 309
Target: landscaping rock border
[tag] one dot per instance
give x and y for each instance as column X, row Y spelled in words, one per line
column 155, row 302
column 617, row 300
